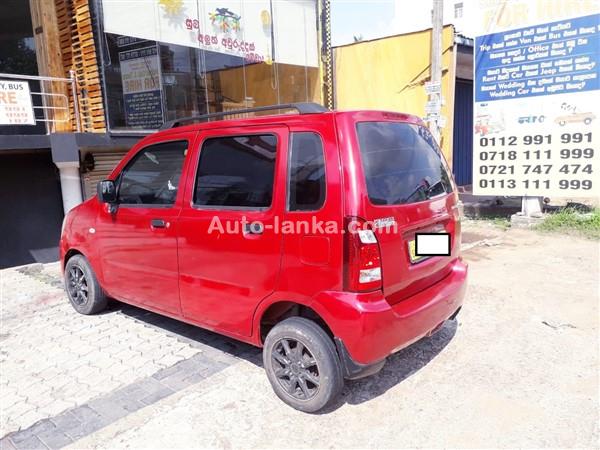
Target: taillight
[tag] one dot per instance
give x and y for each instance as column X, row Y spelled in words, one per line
column 362, row 259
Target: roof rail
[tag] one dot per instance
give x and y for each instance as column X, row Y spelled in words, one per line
column 302, row 108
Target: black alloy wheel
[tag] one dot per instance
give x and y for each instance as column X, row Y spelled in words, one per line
column 302, row 364
column 77, row 285
column 83, row 289
column 296, row 369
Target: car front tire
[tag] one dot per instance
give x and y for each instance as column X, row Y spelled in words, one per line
column 302, row 364
column 84, row 291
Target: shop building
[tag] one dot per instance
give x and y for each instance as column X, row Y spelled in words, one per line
column 102, row 74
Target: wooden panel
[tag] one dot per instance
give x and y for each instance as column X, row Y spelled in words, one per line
column 79, row 54
column 49, row 56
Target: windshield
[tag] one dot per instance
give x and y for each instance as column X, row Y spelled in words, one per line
column 402, row 163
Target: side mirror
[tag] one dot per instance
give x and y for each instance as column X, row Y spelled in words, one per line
column 107, row 192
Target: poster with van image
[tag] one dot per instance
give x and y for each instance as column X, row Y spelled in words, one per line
column 142, row 97
column 537, row 99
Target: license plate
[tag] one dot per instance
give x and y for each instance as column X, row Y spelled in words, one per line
column 430, row 244
column 412, row 252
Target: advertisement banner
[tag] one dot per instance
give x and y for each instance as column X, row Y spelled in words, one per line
column 15, row 103
column 141, row 77
column 537, row 99
column 283, row 31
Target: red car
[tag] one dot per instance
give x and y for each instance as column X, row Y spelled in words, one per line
column 292, row 232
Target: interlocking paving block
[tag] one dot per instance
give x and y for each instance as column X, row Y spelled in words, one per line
column 88, row 418
column 71, row 359
column 83, row 373
column 54, row 439
column 5, row 444
column 30, row 443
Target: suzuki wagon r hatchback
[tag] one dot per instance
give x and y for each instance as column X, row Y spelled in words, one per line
column 292, row 232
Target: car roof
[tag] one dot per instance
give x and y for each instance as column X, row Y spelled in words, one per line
column 293, row 119
column 267, row 119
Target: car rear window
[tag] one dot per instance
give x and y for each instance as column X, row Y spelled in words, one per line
column 402, row 163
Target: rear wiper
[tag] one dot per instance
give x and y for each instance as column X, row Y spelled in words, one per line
column 432, row 187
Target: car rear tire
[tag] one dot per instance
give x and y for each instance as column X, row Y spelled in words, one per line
column 83, row 289
column 302, row 364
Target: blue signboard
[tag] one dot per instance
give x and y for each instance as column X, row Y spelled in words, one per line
column 537, row 100
column 553, row 58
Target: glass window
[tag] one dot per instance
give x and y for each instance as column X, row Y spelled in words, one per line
column 152, row 176
column 458, row 10
column 197, row 57
column 402, row 163
column 17, row 56
column 306, row 177
column 236, row 171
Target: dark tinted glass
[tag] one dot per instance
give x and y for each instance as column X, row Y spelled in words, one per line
column 402, row 163
column 152, row 177
column 306, row 178
column 236, row 171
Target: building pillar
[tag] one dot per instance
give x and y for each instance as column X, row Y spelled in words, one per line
column 70, row 184
column 65, row 155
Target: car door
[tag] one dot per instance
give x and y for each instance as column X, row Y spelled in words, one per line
column 314, row 198
column 138, row 244
column 229, row 247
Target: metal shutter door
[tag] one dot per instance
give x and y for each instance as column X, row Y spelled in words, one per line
column 104, row 163
column 462, row 155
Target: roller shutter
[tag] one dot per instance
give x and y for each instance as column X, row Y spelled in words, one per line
column 462, row 155
column 104, row 163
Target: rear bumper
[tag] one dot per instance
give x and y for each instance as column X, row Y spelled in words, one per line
column 371, row 329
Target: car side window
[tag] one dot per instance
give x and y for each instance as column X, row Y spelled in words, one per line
column 306, row 172
column 152, row 176
column 236, row 171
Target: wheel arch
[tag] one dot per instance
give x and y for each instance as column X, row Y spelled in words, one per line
column 69, row 254
column 270, row 313
column 72, row 251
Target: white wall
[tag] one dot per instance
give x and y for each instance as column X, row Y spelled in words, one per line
column 413, row 16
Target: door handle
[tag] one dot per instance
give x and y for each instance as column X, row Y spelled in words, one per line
column 158, row 223
column 254, row 228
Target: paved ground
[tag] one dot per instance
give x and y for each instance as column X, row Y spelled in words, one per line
column 518, row 369
column 71, row 375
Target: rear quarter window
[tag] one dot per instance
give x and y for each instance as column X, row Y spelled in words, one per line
column 306, row 172
column 401, row 162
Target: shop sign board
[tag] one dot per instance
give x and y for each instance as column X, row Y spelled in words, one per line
column 142, row 88
column 15, row 103
column 433, row 106
column 437, row 119
column 283, row 31
column 441, row 121
column 433, row 87
column 537, row 100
